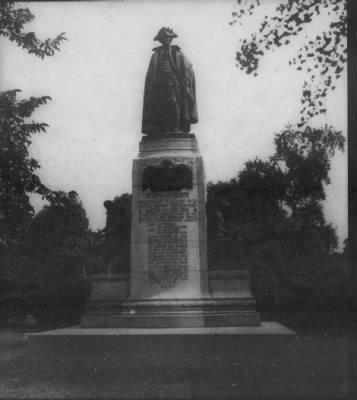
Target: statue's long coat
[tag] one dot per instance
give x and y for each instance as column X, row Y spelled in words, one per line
column 184, row 74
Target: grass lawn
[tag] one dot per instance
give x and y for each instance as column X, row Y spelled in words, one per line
column 315, row 366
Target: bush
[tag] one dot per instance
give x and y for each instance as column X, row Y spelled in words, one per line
column 62, row 305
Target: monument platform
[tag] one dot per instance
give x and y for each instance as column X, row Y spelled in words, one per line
column 172, row 346
column 230, row 303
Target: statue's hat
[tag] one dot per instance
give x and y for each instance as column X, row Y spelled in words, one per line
column 165, row 32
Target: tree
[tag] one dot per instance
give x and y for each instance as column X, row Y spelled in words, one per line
column 56, row 252
column 323, row 58
column 282, row 197
column 12, row 23
column 57, row 221
column 59, row 231
column 265, row 177
column 295, row 177
column 17, row 168
column 304, row 156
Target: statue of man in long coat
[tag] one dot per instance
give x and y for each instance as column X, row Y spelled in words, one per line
column 170, row 93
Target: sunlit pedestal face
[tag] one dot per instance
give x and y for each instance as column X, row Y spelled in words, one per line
column 168, row 259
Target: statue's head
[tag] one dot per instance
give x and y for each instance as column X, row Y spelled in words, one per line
column 165, row 35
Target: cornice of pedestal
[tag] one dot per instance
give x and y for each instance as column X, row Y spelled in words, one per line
column 170, row 143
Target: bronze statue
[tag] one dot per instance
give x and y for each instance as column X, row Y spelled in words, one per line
column 170, row 93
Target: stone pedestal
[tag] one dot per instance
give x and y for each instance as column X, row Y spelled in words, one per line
column 168, row 281
column 168, row 244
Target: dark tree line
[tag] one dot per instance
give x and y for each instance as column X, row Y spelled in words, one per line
column 274, row 211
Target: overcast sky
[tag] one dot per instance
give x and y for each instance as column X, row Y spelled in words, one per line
column 96, row 82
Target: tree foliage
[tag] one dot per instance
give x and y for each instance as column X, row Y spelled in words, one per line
column 304, row 156
column 58, row 238
column 282, row 197
column 265, row 177
column 323, row 57
column 274, row 210
column 58, row 230
column 18, row 175
column 12, row 24
column 49, row 264
column 17, row 168
column 298, row 170
column 60, row 220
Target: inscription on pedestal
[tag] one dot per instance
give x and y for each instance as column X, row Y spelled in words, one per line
column 167, row 216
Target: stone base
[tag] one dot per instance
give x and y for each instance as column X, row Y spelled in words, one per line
column 159, row 346
column 230, row 304
column 174, row 314
column 107, row 288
